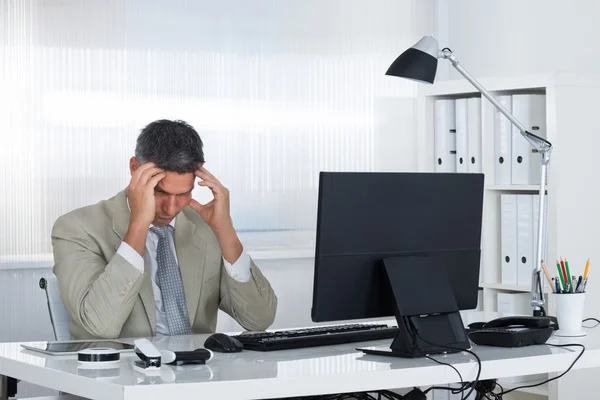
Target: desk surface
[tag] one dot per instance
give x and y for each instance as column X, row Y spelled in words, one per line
column 317, row 370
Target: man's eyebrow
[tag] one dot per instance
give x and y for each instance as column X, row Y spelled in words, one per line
column 161, row 190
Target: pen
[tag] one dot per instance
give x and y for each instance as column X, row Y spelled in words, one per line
column 577, row 289
column 560, row 274
column 569, row 276
column 587, row 267
column 557, row 284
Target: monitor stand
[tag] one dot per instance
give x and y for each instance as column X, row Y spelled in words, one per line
column 426, row 310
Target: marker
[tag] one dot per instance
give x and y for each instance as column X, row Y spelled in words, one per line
column 560, row 274
column 569, row 275
column 564, row 271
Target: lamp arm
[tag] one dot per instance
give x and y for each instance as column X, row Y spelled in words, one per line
column 544, row 148
column 538, row 143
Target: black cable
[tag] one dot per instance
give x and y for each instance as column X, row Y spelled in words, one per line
column 472, row 384
column 597, row 321
column 551, row 379
column 390, row 395
column 462, row 383
column 346, row 396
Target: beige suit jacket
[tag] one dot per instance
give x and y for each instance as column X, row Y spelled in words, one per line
column 107, row 297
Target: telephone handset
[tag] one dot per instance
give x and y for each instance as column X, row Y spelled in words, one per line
column 515, row 331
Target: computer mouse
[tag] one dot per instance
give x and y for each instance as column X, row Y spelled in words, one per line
column 222, row 343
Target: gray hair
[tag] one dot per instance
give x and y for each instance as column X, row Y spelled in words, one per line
column 171, row 145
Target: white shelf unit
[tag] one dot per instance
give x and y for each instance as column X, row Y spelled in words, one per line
column 572, row 126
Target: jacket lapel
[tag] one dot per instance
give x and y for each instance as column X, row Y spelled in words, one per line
column 190, row 249
column 121, row 215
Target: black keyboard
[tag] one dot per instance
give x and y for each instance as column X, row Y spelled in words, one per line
column 319, row 336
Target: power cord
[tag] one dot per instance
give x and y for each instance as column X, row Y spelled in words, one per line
column 485, row 388
column 464, row 386
column 597, row 321
column 556, row 377
column 381, row 394
column 453, row 390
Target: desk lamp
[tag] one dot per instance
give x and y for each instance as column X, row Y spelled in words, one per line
column 420, row 63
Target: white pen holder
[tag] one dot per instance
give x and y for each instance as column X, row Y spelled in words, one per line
column 569, row 313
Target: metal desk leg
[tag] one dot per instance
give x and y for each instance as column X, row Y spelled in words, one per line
column 3, row 387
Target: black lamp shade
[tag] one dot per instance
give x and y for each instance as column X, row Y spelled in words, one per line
column 414, row 64
column 418, row 63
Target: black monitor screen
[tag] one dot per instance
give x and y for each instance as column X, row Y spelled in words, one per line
column 364, row 218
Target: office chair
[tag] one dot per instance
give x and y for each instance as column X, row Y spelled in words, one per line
column 58, row 314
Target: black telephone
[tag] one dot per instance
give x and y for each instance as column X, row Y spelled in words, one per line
column 511, row 331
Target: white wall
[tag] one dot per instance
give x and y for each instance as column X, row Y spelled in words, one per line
column 512, row 37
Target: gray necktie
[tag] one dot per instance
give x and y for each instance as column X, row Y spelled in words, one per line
column 171, row 286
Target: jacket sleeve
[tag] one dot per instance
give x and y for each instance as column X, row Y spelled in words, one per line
column 98, row 294
column 252, row 304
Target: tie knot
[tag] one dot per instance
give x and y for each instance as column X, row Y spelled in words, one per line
column 162, row 232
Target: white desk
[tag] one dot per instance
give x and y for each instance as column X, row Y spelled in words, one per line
column 318, row 370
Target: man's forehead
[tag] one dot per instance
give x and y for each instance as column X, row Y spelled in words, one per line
column 176, row 183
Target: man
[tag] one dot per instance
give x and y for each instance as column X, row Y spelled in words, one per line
column 152, row 260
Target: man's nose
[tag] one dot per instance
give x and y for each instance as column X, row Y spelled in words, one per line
column 171, row 206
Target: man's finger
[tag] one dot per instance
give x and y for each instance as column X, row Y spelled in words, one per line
column 196, row 205
column 135, row 177
column 205, row 171
column 206, row 177
column 149, row 173
column 153, row 181
column 214, row 187
column 204, row 174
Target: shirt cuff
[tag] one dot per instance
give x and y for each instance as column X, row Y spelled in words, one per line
column 240, row 270
column 131, row 256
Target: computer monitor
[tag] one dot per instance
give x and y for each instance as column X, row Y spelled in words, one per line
column 417, row 220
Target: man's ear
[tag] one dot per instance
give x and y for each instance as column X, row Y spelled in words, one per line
column 133, row 165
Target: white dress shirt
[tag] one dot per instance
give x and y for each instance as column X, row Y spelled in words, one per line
column 240, row 270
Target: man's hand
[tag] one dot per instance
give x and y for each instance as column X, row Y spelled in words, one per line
column 216, row 214
column 140, row 194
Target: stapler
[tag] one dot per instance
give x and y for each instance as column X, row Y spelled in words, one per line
column 150, row 358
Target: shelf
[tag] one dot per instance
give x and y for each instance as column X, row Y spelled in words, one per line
column 503, row 286
column 515, row 188
column 541, row 390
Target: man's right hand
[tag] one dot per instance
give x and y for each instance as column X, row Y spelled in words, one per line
column 140, row 194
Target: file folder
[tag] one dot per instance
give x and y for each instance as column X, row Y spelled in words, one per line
column 503, row 143
column 525, row 248
column 462, row 142
column 474, row 134
column 508, row 238
column 444, row 136
column 530, row 109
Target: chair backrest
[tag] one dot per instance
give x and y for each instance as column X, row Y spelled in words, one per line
column 58, row 314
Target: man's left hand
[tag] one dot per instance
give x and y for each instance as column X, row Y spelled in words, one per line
column 216, row 213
